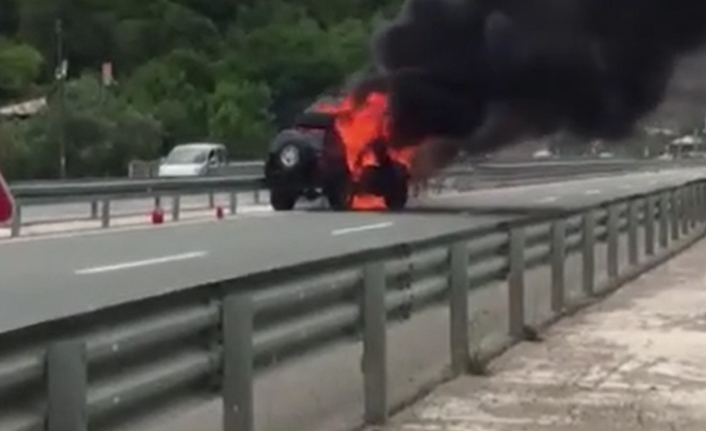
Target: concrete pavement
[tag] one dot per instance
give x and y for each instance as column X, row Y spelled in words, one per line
column 633, row 362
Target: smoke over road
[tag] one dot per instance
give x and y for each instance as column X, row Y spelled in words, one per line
column 489, row 72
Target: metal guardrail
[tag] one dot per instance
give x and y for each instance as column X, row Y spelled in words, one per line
column 255, row 168
column 559, row 167
column 100, row 193
column 212, row 340
column 149, row 169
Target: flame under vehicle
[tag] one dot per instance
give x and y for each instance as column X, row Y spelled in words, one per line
column 340, row 154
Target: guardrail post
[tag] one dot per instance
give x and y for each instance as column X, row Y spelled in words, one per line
column 698, row 204
column 675, row 213
column 664, row 220
column 589, row 252
column 105, row 213
column 633, row 219
column 650, row 205
column 701, row 192
column 693, row 206
column 211, row 200
column 458, row 296
column 696, row 213
column 516, row 282
column 94, row 210
column 685, row 213
column 613, row 244
column 375, row 344
column 67, row 384
column 233, row 203
column 238, row 358
column 686, row 210
column 701, row 199
column 16, row 222
column 257, row 196
column 558, row 256
column 176, row 207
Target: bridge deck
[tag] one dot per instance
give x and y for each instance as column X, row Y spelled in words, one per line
column 633, row 362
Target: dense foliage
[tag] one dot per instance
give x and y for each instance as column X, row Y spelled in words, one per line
column 223, row 70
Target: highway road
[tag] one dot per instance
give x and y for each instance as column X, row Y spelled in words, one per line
column 49, row 278
column 562, row 195
column 35, row 214
column 322, row 391
column 46, row 278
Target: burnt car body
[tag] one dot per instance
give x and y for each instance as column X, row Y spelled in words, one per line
column 308, row 161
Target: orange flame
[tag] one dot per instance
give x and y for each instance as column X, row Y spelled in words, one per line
column 358, row 125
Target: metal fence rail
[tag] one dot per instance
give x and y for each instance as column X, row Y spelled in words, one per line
column 99, row 195
column 96, row 370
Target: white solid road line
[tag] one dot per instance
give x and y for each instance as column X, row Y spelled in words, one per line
column 363, row 228
column 593, row 192
column 139, row 263
column 548, row 199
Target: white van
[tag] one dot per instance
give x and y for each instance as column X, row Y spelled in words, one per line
column 193, row 160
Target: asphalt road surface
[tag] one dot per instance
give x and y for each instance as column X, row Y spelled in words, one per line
column 547, row 194
column 47, row 278
column 563, row 195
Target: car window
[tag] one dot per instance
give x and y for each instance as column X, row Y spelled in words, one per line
column 185, row 156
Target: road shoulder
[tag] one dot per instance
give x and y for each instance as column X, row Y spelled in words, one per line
column 632, row 362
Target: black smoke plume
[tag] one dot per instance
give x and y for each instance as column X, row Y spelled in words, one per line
column 492, row 71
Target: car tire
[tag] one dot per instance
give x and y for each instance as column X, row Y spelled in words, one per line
column 397, row 192
column 338, row 196
column 396, row 197
column 337, row 188
column 282, row 200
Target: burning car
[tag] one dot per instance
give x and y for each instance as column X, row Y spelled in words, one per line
column 339, row 151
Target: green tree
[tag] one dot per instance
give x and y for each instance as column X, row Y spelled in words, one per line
column 8, row 19
column 102, row 134
column 20, row 66
column 239, row 117
column 185, row 70
column 174, row 89
column 295, row 55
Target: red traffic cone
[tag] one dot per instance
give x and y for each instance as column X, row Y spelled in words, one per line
column 157, row 216
column 219, row 212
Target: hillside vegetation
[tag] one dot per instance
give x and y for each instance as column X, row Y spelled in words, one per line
column 231, row 71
